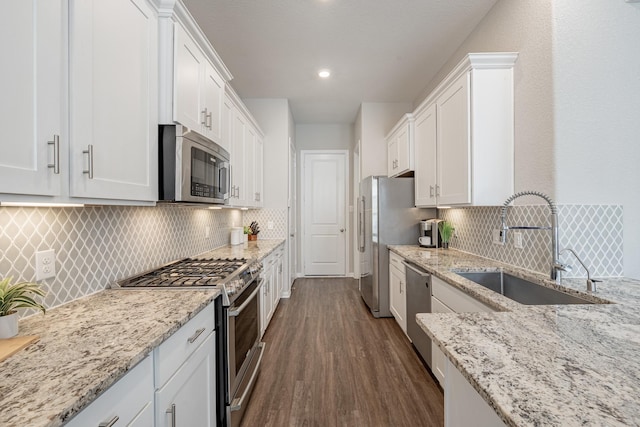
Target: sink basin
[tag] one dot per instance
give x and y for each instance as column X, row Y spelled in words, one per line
column 521, row 290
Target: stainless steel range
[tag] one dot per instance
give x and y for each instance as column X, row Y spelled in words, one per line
column 239, row 347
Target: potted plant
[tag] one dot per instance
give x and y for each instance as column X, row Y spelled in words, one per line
column 254, row 229
column 446, row 232
column 13, row 297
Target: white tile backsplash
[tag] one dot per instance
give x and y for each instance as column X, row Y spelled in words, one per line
column 96, row 246
column 593, row 231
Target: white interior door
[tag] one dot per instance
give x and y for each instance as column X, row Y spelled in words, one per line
column 324, row 216
column 292, row 215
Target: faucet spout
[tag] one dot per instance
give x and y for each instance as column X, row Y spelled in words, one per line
column 591, row 283
column 555, row 263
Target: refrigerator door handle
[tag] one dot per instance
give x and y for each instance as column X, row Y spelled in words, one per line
column 361, row 231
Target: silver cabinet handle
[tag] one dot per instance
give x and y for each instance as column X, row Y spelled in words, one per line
column 204, row 117
column 195, row 336
column 291, row 235
column 208, row 120
column 109, row 423
column 89, row 153
column 437, row 190
column 400, row 286
column 172, row 411
column 431, row 191
column 56, row 154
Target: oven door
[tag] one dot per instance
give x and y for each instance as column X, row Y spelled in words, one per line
column 244, row 349
column 205, row 171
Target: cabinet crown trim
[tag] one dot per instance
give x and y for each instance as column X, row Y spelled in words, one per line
column 406, row 119
column 477, row 61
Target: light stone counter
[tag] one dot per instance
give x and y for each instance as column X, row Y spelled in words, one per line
column 559, row 365
column 87, row 345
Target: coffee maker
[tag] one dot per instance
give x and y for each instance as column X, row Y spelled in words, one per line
column 430, row 234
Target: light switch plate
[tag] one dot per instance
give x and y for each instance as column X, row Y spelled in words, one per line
column 45, row 264
column 496, row 237
column 517, row 240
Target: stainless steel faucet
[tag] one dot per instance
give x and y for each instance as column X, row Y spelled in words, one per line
column 591, row 283
column 556, row 265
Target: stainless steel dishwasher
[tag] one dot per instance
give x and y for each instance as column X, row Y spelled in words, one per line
column 418, row 301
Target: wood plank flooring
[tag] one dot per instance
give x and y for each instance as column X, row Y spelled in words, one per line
column 329, row 362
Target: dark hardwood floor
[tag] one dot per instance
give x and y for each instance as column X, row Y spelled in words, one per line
column 329, row 362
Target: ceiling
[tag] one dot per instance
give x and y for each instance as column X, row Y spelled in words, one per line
column 377, row 50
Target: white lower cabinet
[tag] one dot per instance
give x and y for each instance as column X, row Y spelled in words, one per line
column 129, row 402
column 188, row 398
column 463, row 406
column 273, row 276
column 447, row 299
column 398, row 290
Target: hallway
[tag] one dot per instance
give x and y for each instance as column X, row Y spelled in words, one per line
column 328, row 362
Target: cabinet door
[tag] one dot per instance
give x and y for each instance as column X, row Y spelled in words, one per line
column 130, row 401
column 189, row 396
column 405, row 153
column 250, row 166
column 31, row 41
column 238, row 156
column 113, row 99
column 392, row 155
column 189, row 69
column 438, row 359
column 213, row 88
column 397, row 296
column 425, row 165
column 226, row 140
column 454, row 144
column 258, row 154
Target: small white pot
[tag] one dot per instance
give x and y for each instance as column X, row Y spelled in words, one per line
column 9, row 325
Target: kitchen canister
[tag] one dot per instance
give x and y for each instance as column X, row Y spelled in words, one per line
column 237, row 235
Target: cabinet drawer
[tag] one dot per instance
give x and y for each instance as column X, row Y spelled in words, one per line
column 174, row 351
column 130, row 401
column 455, row 299
column 396, row 260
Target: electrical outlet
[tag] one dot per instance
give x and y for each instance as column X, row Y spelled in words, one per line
column 207, row 231
column 517, row 240
column 496, row 235
column 270, row 225
column 45, row 264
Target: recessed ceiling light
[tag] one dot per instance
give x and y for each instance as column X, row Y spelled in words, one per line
column 324, row 73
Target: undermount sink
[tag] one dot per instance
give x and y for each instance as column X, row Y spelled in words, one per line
column 521, row 290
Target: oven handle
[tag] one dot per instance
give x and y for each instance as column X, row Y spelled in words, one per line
column 237, row 311
column 237, row 403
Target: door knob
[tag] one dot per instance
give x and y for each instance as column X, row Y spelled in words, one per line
column 342, row 230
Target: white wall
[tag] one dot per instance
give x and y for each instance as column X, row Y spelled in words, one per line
column 597, row 110
column 273, row 117
column 374, row 122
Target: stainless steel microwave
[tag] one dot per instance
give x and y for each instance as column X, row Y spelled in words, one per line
column 193, row 169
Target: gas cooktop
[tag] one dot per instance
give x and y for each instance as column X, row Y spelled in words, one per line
column 187, row 272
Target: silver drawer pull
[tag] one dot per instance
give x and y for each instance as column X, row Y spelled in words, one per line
column 172, row 411
column 89, row 153
column 56, row 154
column 195, row 335
column 109, row 423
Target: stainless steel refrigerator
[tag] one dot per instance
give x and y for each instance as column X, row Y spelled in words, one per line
column 386, row 216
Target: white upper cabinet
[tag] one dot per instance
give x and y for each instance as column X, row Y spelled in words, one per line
column 198, row 88
column 113, row 99
column 247, row 152
column 192, row 75
column 425, row 149
column 400, row 150
column 472, row 141
column 31, row 106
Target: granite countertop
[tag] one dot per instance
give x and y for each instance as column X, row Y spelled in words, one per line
column 85, row 346
column 560, row 365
